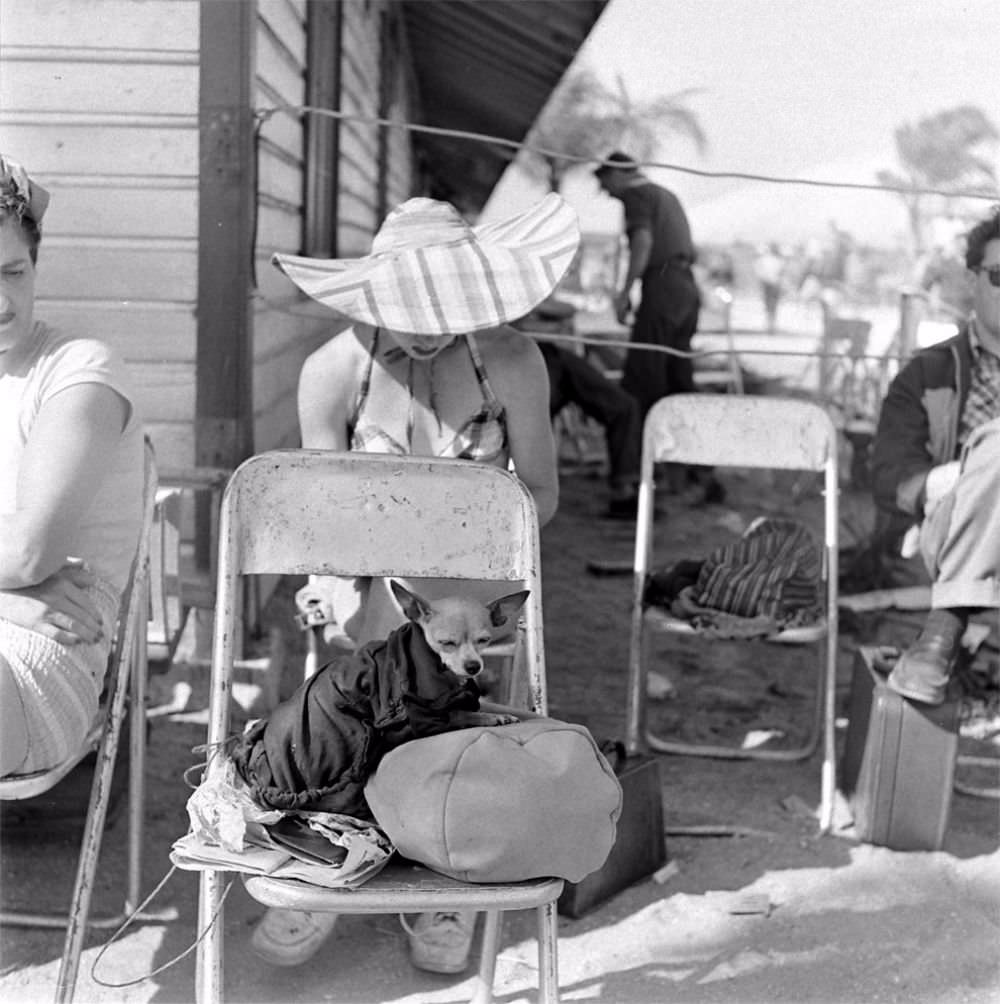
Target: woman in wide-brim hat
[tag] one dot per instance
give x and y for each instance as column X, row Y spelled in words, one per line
column 428, row 366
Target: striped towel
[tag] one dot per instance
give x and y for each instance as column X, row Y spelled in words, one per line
column 772, row 571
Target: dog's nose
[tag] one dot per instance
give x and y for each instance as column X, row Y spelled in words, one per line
column 473, row 668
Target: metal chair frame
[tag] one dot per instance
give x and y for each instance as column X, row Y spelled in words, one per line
column 723, row 430
column 127, row 679
column 300, row 512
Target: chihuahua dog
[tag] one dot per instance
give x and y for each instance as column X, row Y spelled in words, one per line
column 457, row 630
column 318, row 747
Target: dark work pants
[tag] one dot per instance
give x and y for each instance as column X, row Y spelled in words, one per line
column 572, row 379
column 668, row 316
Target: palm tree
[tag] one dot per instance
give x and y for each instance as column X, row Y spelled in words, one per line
column 585, row 119
column 943, row 150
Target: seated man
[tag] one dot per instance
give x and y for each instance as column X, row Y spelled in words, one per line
column 936, row 460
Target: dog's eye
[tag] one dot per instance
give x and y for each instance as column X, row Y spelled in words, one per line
column 446, row 643
column 484, row 639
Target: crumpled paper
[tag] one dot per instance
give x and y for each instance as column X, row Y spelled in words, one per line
column 221, row 806
column 229, row 831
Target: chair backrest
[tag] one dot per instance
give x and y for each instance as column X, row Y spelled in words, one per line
column 849, row 332
column 328, row 513
column 725, row 430
column 729, row 431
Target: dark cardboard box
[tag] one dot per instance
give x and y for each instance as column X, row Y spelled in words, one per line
column 640, row 848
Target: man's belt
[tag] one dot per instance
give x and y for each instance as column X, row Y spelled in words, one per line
column 678, row 261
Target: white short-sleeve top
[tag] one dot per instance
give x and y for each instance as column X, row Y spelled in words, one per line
column 107, row 534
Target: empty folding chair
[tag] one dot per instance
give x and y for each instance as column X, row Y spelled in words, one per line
column 305, row 512
column 747, row 432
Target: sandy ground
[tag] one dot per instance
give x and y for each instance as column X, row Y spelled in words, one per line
column 778, row 914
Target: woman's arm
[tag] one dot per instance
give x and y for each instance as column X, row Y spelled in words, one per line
column 326, row 390
column 71, row 445
column 521, row 381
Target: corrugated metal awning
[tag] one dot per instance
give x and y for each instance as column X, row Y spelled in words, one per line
column 487, row 66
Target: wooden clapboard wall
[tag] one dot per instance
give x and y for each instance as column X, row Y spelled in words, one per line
column 285, row 328
column 100, row 101
column 288, row 326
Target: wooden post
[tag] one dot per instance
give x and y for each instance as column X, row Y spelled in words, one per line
column 224, row 421
column 224, row 383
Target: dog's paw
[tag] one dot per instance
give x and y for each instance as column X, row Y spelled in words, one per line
column 482, row 719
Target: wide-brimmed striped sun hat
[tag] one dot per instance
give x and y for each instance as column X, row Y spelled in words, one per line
column 432, row 273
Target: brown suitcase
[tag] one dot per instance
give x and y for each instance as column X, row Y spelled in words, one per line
column 640, row 848
column 898, row 765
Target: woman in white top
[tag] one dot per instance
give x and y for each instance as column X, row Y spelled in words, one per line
column 70, row 505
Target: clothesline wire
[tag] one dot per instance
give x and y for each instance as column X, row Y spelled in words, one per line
column 624, row 343
column 263, row 114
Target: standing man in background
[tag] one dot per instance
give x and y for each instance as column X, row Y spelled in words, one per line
column 661, row 254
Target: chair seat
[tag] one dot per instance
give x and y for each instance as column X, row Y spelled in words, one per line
column 404, row 887
column 805, row 634
column 20, row 786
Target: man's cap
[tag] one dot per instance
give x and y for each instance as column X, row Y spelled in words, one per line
column 616, row 161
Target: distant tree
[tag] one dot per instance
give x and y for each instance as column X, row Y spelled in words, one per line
column 586, row 118
column 943, row 150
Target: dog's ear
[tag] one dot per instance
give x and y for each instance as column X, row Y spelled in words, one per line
column 503, row 609
column 414, row 607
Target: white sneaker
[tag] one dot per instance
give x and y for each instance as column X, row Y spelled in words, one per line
column 290, row 937
column 440, row 942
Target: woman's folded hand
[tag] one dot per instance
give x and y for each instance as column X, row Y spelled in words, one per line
column 58, row 607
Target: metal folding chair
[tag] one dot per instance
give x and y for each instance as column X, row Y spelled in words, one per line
column 126, row 677
column 723, row 430
column 300, row 512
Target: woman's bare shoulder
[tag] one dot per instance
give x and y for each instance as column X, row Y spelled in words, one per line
column 508, row 347
column 333, row 356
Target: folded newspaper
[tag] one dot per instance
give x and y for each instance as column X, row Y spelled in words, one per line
column 230, row 831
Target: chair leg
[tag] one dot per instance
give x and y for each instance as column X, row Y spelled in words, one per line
column 635, row 718
column 548, row 954
column 93, row 834
column 828, row 784
column 137, row 772
column 209, row 970
column 492, row 926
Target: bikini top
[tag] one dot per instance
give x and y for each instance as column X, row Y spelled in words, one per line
column 482, row 437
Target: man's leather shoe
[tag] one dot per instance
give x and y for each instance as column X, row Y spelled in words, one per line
column 923, row 670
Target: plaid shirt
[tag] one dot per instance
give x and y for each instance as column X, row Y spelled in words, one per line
column 983, row 400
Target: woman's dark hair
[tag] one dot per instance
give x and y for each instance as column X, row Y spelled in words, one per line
column 979, row 236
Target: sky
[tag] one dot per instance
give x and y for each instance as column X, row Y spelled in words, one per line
column 791, row 88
